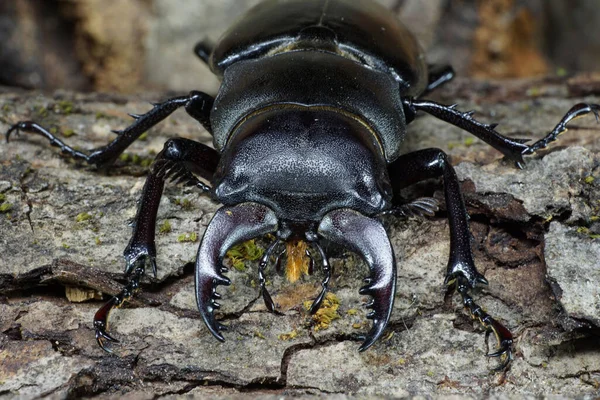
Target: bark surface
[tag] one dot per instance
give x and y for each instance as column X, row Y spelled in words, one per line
column 63, row 228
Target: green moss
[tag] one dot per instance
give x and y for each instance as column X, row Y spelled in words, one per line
column 53, row 130
column 165, row 227
column 184, row 203
column 2, row 197
column 5, row 207
column 97, row 241
column 562, row 72
column 589, row 180
column 6, row 108
column 136, row 159
column 66, row 246
column 41, row 111
column 82, row 217
column 68, row 133
column 143, row 136
column 247, row 251
column 65, row 106
column 146, row 162
column 124, row 157
column 188, row 237
column 469, row 141
column 100, row 115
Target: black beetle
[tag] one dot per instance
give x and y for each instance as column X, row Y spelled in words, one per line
column 308, row 125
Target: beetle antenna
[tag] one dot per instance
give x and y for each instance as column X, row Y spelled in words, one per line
column 264, row 261
column 279, row 259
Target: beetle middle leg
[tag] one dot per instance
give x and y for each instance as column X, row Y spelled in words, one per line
column 197, row 104
column 430, row 163
column 179, row 160
column 513, row 149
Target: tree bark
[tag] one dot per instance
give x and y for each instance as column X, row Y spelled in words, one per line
column 63, row 228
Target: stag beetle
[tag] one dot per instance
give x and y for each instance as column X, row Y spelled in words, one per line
column 308, row 124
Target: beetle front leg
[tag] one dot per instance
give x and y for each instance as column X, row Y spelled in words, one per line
column 430, row 163
column 178, row 161
column 197, row 104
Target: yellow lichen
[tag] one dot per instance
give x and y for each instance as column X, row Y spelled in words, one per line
column 288, row 336
column 327, row 313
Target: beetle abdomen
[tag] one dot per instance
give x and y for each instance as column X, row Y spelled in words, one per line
column 313, row 79
column 362, row 30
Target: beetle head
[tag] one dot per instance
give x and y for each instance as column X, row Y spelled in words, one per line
column 303, row 174
column 303, row 163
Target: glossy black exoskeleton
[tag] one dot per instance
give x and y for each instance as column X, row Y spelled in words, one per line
column 308, row 126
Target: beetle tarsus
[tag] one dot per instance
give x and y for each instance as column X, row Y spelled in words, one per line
column 578, row 110
column 503, row 335
column 102, row 315
column 32, row 127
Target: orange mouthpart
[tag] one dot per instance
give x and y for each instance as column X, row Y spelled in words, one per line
column 297, row 260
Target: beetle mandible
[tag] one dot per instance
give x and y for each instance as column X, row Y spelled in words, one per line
column 308, row 125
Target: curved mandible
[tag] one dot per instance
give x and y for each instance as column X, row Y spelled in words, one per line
column 368, row 238
column 229, row 226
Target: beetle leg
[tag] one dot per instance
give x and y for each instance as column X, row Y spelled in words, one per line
column 513, row 149
column 101, row 316
column 503, row 335
column 420, row 165
column 438, row 76
column 578, row 110
column 197, row 104
column 178, row 160
column 229, row 226
column 327, row 270
column 431, row 163
column 424, row 206
column 367, row 237
column 203, row 50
